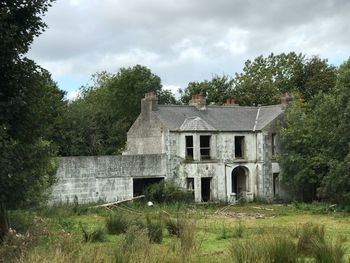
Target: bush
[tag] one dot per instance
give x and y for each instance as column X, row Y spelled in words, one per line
column 173, row 227
column 238, row 231
column 155, row 231
column 224, row 233
column 21, row 220
column 307, row 235
column 324, row 252
column 281, row 249
column 135, row 247
column 266, row 250
column 168, row 192
column 187, row 236
column 96, row 235
column 14, row 246
column 116, row 224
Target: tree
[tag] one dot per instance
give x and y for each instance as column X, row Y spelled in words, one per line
column 97, row 122
column 216, row 90
column 265, row 79
column 315, row 143
column 30, row 106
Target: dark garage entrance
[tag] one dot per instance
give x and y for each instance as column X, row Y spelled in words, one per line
column 205, row 185
column 140, row 184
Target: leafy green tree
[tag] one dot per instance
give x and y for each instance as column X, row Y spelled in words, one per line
column 97, row 122
column 30, row 106
column 216, row 90
column 316, row 143
column 264, row 79
column 318, row 76
column 335, row 185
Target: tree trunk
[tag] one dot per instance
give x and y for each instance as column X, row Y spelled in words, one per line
column 4, row 221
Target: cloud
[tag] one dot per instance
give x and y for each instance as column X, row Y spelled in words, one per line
column 183, row 40
column 72, row 95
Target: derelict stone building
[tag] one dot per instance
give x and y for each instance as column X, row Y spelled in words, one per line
column 222, row 153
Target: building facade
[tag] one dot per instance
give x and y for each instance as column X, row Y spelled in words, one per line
column 221, row 153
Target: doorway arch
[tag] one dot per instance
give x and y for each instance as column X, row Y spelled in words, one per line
column 239, row 180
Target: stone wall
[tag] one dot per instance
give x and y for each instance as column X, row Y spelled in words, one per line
column 107, row 178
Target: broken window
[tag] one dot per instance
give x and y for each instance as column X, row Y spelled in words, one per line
column 239, row 146
column 205, row 147
column 189, row 147
column 190, row 184
column 273, row 144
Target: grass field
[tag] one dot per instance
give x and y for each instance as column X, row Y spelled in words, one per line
column 180, row 233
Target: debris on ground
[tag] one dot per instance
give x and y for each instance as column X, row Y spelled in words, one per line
column 241, row 215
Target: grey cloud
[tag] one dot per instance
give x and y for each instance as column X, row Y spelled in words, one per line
column 185, row 40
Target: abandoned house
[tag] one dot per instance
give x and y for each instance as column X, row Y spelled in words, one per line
column 221, row 153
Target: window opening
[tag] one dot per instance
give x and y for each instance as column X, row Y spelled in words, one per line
column 273, row 144
column 239, row 146
column 189, row 147
column 205, row 147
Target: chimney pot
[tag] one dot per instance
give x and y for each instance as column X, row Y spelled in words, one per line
column 230, row 102
column 286, row 99
column 198, row 101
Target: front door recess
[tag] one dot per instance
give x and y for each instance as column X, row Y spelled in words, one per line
column 205, row 185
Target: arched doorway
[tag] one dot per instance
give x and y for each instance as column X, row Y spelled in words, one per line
column 239, row 180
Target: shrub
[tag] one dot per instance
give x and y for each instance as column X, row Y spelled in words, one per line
column 173, row 227
column 281, row 249
column 168, row 192
column 135, row 247
column 308, row 234
column 21, row 220
column 187, row 236
column 224, row 233
column 155, row 231
column 116, row 224
column 245, row 252
column 324, row 252
column 14, row 246
column 238, row 231
column 96, row 235
column 265, row 250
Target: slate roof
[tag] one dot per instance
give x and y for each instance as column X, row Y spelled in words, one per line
column 196, row 124
column 220, row 118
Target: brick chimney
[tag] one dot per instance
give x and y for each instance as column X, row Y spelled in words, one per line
column 231, row 102
column 286, row 99
column 149, row 103
column 199, row 101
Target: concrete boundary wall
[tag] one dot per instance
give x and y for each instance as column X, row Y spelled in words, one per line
column 108, row 178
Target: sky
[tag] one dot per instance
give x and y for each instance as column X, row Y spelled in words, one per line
column 184, row 40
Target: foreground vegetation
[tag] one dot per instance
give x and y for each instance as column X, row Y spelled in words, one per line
column 179, row 233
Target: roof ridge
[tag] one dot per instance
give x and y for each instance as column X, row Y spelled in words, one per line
column 221, row 106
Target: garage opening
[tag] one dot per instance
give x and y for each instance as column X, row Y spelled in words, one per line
column 205, row 188
column 140, row 184
column 239, row 180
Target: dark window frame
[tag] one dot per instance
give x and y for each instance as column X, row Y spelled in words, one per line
column 189, row 147
column 273, row 144
column 239, row 147
column 204, row 147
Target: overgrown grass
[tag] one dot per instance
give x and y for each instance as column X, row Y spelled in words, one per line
column 265, row 250
column 117, row 223
column 195, row 233
column 237, row 231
